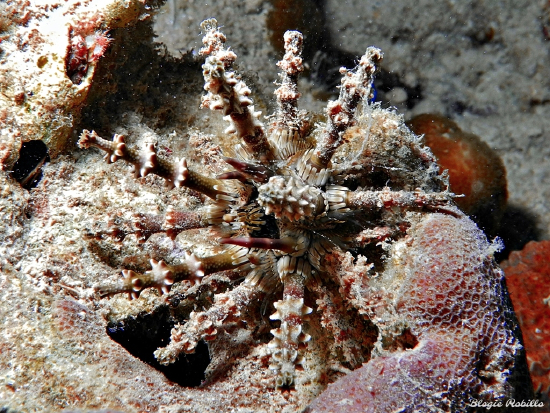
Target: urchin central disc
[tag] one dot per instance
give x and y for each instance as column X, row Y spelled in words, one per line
column 285, row 196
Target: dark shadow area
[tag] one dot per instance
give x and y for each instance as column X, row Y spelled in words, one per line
column 323, row 59
column 517, row 228
column 137, row 75
column 386, row 81
column 27, row 170
column 143, row 334
column 6, row 409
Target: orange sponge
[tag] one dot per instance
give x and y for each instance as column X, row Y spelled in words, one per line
column 475, row 170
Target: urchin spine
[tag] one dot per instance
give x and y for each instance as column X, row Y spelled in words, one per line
column 355, row 87
column 230, row 95
column 291, row 312
column 177, row 174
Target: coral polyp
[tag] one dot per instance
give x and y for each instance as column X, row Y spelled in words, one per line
column 295, row 195
column 83, row 51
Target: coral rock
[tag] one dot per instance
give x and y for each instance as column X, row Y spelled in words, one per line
column 528, row 279
column 291, row 208
column 43, row 99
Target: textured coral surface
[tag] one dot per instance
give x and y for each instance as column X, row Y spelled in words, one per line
column 44, row 46
column 528, row 280
column 436, row 288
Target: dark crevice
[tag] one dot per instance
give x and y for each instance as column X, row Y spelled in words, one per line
column 517, row 228
column 143, row 334
column 27, row 170
column 404, row 341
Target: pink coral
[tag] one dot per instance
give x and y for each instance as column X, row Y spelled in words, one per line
column 528, row 279
column 445, row 330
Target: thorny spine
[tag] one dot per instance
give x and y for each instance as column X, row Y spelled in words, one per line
column 177, row 174
column 355, row 87
column 230, row 95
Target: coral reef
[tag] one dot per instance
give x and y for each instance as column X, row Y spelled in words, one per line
column 475, row 170
column 528, row 279
column 47, row 66
column 86, row 220
column 298, row 198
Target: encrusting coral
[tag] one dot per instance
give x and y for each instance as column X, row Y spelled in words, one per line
column 444, row 290
column 345, row 218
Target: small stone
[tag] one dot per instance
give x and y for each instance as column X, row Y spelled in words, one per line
column 475, row 170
